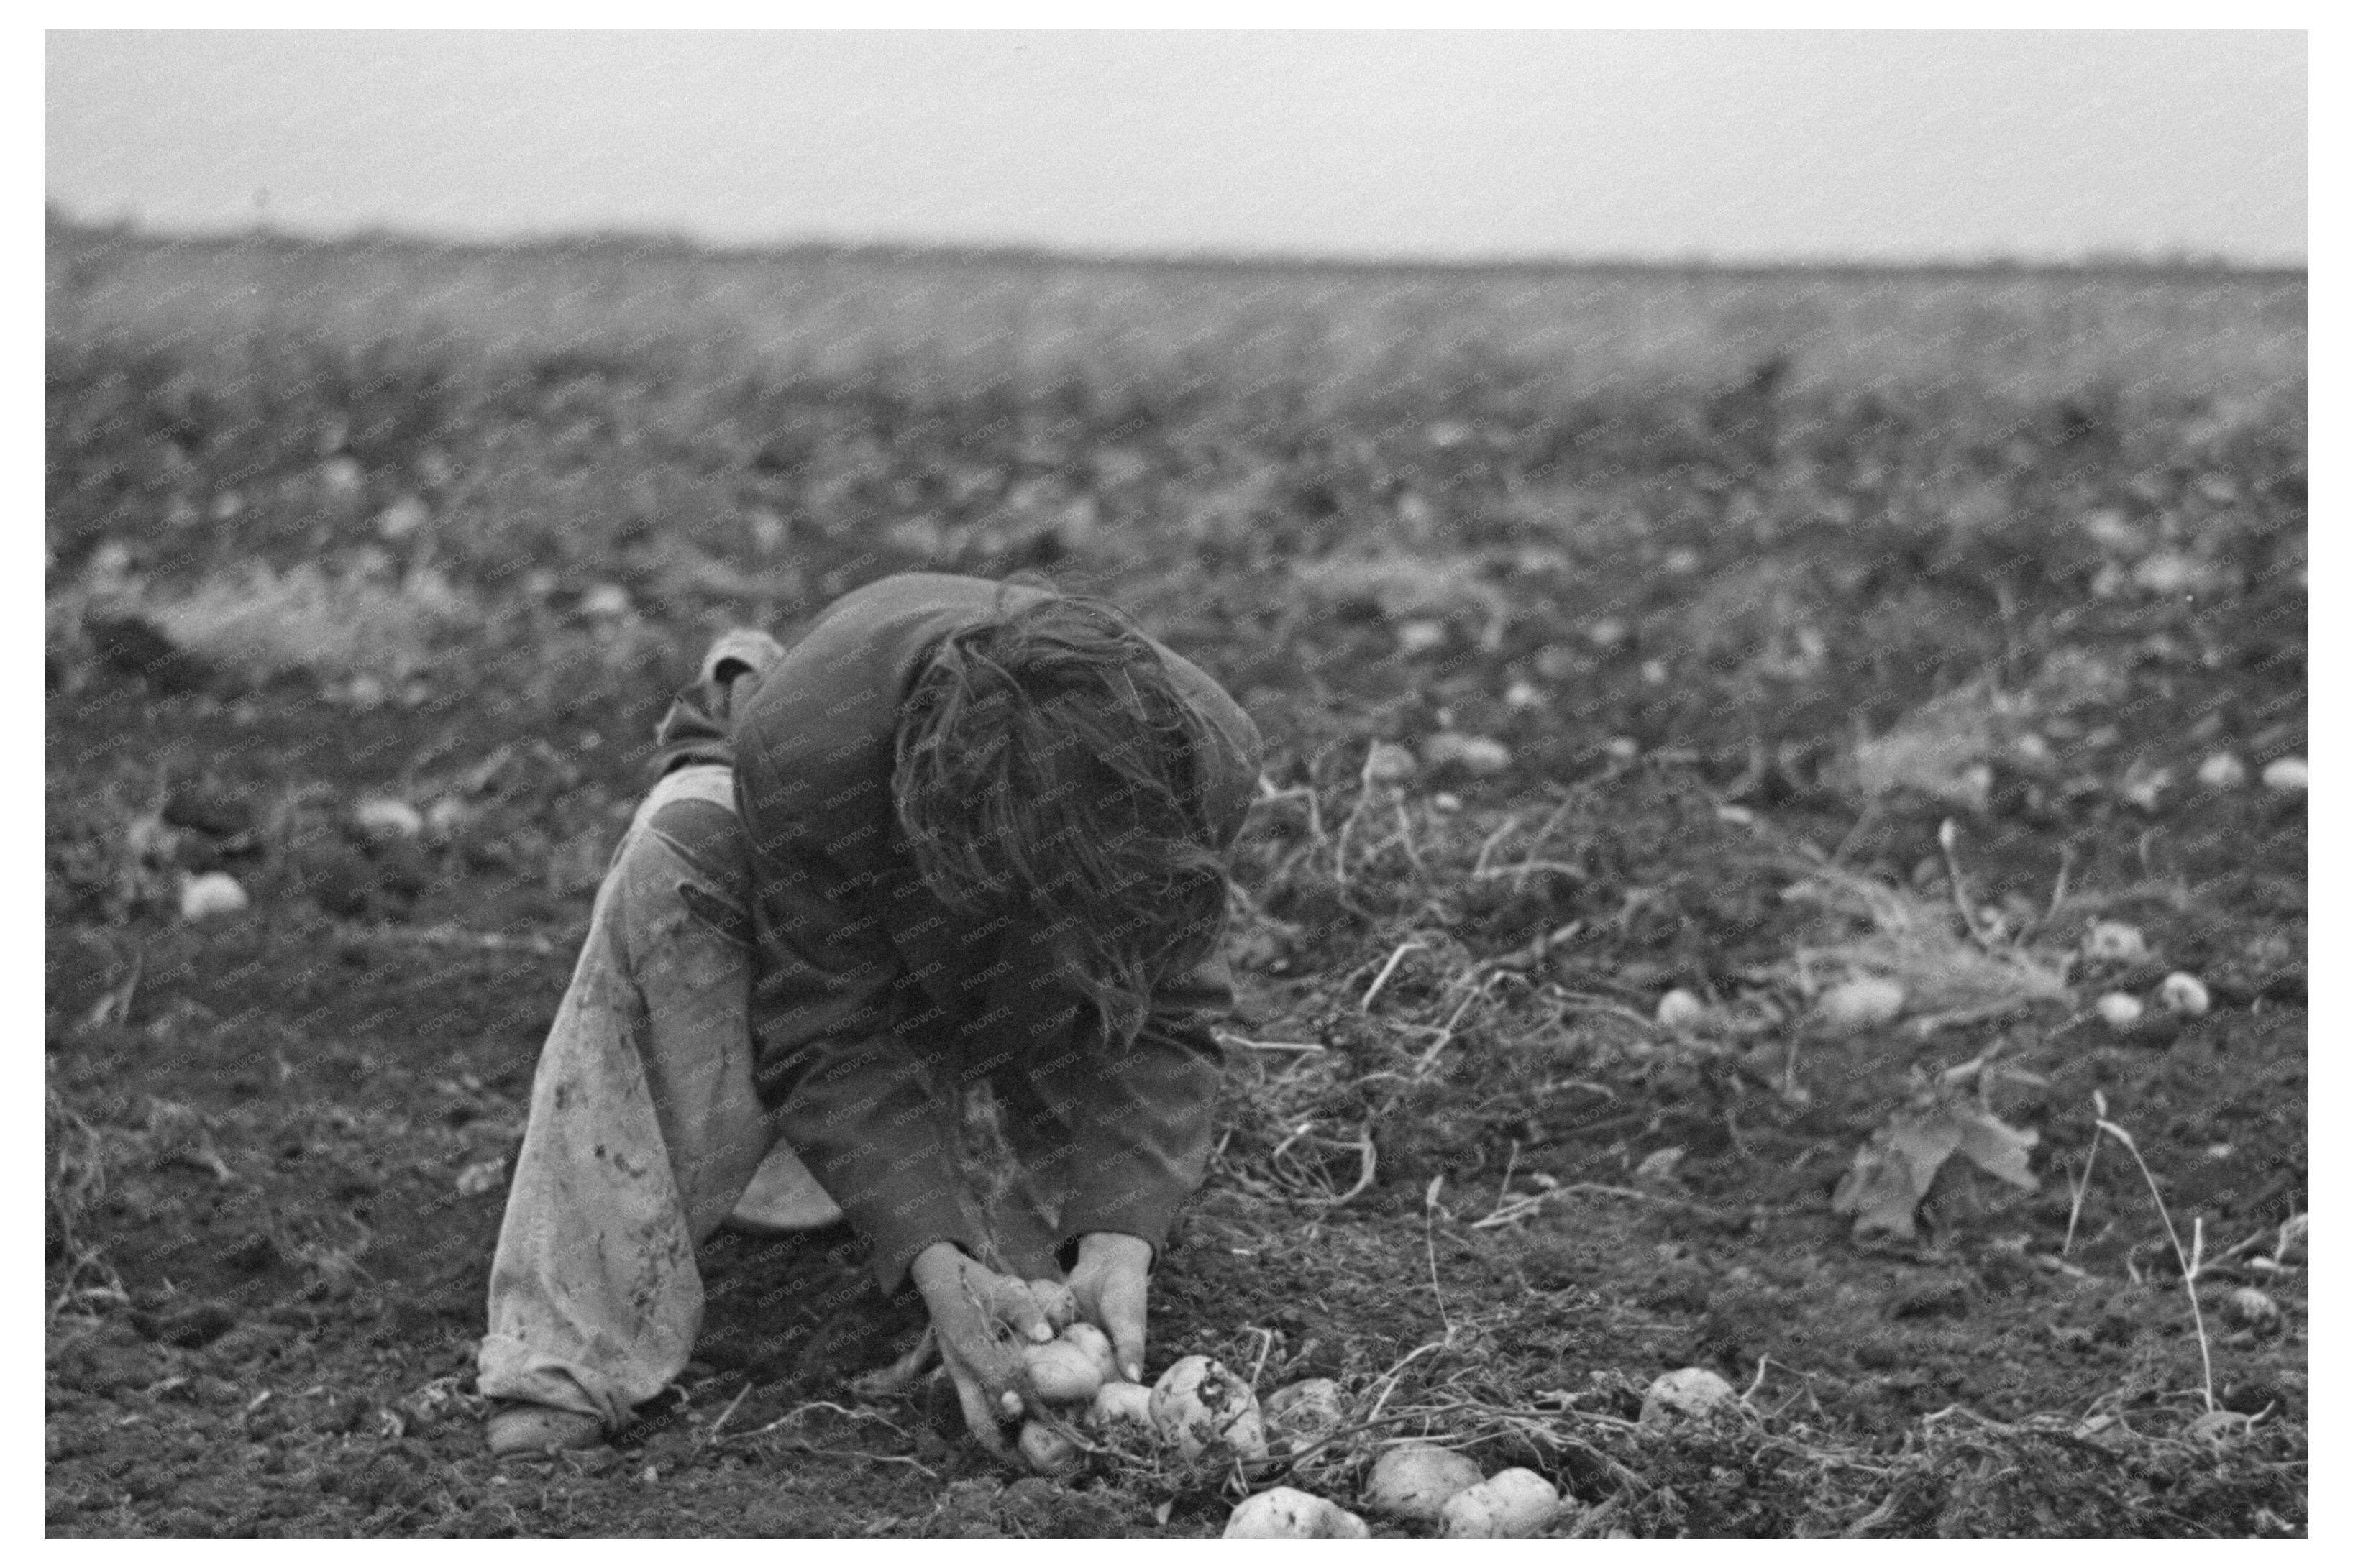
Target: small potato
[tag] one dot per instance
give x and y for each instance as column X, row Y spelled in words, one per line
column 1197, row 1405
column 2288, row 775
column 1122, row 1408
column 1286, row 1513
column 212, row 893
column 2118, row 1011
column 2221, row 771
column 1096, row 1344
column 1681, row 1010
column 1062, row 1373
column 1866, row 1002
column 2185, row 993
column 1687, row 1391
column 1509, row 1503
column 1049, row 1452
column 1054, row 1300
column 2248, row 1308
column 1416, row 1481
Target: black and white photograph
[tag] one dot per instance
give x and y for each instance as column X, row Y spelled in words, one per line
column 1212, row 777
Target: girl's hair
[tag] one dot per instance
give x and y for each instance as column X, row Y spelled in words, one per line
column 1047, row 767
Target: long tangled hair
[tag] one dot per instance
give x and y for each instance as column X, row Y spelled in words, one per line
column 1047, row 767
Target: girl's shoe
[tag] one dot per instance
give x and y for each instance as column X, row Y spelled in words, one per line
column 520, row 1428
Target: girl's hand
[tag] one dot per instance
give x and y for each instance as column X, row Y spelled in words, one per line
column 981, row 1316
column 1111, row 1282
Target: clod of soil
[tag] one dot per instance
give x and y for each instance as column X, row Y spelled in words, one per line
column 201, row 1322
column 1304, row 1411
column 1477, row 755
column 2113, row 942
column 1047, row 1451
column 1931, row 1299
column 210, row 809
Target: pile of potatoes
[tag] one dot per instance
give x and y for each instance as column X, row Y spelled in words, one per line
column 1415, row 1481
column 1196, row 1408
column 1424, row 1482
column 1072, row 1370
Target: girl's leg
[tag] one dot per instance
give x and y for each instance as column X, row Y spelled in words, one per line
column 644, row 1128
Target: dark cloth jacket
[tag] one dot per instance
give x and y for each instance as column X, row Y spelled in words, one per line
column 873, row 1004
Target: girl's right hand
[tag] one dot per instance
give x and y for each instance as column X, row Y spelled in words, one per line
column 982, row 1319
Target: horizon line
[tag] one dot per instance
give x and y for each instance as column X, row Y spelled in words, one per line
column 675, row 244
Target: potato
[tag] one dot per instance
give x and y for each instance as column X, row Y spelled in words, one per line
column 1508, row 1503
column 2221, row 771
column 1680, row 1010
column 212, row 893
column 1122, row 1408
column 2288, row 775
column 2119, row 1010
column 1097, row 1346
column 1049, row 1452
column 1198, row 1406
column 1304, row 1411
column 1864, row 1003
column 1284, row 1512
column 2184, row 993
column 2248, row 1308
column 1062, row 1373
column 1054, row 1300
column 1415, row 1481
column 1688, row 1391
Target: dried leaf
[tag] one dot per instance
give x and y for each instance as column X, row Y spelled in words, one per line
column 1995, row 1147
column 1877, row 1190
column 1926, row 1144
column 1893, row 1173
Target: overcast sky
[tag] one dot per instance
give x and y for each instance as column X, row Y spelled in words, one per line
column 1739, row 146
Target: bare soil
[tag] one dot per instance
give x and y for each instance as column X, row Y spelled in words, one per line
column 276, row 1137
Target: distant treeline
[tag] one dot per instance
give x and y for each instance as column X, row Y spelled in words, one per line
column 612, row 246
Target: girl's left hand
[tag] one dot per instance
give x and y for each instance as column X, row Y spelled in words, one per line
column 1111, row 1282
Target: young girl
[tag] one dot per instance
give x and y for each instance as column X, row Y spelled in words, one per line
column 963, row 833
